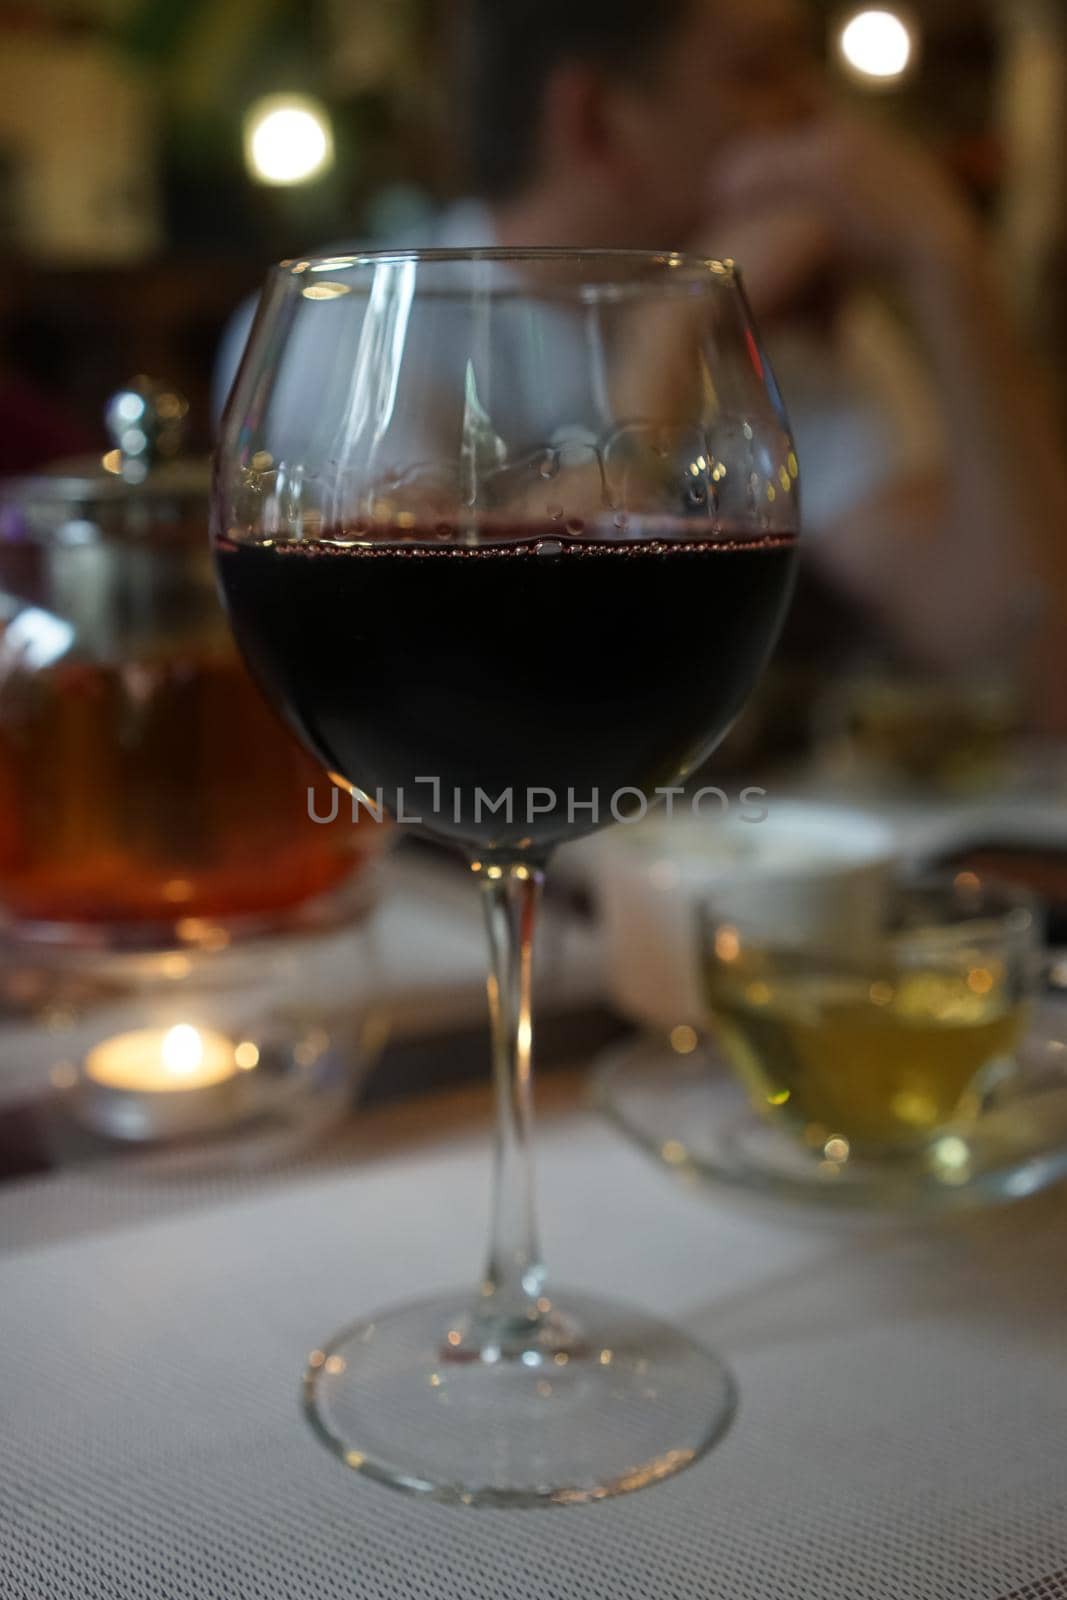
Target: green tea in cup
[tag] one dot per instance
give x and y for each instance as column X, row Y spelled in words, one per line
column 875, row 1049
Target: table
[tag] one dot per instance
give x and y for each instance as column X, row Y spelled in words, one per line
column 902, row 1432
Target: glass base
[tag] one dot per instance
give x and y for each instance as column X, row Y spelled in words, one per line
column 596, row 1401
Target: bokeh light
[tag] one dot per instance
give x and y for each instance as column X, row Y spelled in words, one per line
column 288, row 139
column 877, row 46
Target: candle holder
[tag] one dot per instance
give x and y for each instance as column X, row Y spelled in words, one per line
column 207, row 1041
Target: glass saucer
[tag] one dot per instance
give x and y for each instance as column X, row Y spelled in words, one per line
column 692, row 1115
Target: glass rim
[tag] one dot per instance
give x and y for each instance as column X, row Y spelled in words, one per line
column 723, row 272
column 983, row 907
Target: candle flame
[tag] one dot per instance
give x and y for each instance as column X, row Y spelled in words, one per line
column 182, row 1050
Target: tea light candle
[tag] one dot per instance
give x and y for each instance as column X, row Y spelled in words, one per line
column 181, row 1058
column 162, row 1083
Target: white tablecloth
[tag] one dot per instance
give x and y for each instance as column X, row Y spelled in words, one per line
column 902, row 1432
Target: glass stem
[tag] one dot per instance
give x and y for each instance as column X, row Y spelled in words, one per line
column 513, row 1283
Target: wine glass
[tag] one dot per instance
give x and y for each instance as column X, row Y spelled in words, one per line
column 508, row 537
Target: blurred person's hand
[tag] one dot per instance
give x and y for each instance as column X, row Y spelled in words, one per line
column 787, row 257
column 840, row 190
column 962, row 562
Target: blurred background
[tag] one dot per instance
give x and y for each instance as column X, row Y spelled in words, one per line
column 134, row 215
column 143, row 184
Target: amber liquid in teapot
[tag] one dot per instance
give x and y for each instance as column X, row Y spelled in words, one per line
column 143, row 779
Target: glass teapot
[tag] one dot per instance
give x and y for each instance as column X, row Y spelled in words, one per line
column 144, row 783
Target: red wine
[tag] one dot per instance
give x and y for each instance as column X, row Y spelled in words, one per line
column 536, row 665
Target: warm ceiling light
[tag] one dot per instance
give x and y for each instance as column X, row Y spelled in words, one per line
column 877, row 46
column 288, row 139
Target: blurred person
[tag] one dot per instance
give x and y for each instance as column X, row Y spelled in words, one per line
column 933, row 480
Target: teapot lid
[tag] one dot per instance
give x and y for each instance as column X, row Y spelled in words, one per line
column 146, row 424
